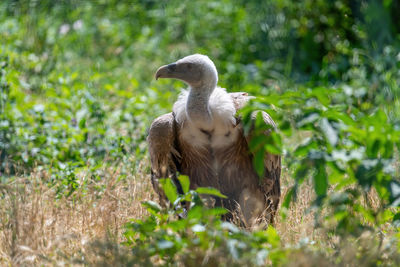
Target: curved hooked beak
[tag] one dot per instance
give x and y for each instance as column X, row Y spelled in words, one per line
column 166, row 71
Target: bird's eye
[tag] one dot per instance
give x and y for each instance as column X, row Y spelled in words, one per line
column 189, row 66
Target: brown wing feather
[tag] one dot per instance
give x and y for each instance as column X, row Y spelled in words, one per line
column 164, row 156
column 270, row 185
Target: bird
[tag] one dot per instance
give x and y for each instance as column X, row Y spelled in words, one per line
column 204, row 139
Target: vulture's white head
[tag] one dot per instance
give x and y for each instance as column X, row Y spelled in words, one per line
column 198, row 71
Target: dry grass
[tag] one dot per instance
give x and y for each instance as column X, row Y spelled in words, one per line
column 37, row 228
column 299, row 222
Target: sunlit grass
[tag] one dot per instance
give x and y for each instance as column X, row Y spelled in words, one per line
column 38, row 227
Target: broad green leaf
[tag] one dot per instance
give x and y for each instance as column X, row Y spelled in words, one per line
column 217, row 211
column 288, row 197
column 258, row 162
column 301, row 171
column 169, row 189
column 396, row 219
column 373, row 147
column 178, row 225
column 257, row 141
column 209, row 191
column 195, row 212
column 321, row 180
column 321, row 94
column 389, row 149
column 367, row 171
column 185, row 183
column 338, row 115
column 276, row 140
column 151, row 206
column 273, row 236
column 272, row 149
column 286, row 128
column 305, row 147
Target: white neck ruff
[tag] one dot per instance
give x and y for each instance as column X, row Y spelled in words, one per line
column 222, row 111
column 220, row 105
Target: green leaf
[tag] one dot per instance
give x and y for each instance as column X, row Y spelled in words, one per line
column 337, row 115
column 169, row 189
column 286, row 128
column 195, row 213
column 373, row 148
column 273, row 236
column 301, row 171
column 389, row 148
column 272, row 149
column 217, row 211
column 367, row 172
column 276, row 141
column 321, row 94
column 210, row 191
column 178, row 225
column 321, row 180
column 303, row 149
column 185, row 183
column 288, row 197
column 396, row 219
column 258, row 162
column 256, row 141
column 151, row 206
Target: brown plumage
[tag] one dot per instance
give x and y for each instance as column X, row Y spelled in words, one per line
column 202, row 138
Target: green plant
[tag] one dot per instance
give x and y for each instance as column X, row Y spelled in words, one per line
column 350, row 151
column 197, row 235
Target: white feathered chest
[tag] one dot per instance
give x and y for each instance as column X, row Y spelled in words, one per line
column 222, row 132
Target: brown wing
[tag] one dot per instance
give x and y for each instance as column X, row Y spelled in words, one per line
column 270, row 185
column 165, row 158
column 271, row 182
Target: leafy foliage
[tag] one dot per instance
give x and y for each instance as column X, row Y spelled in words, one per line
column 200, row 236
column 349, row 151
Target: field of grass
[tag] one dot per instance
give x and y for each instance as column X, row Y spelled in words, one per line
column 77, row 95
column 41, row 228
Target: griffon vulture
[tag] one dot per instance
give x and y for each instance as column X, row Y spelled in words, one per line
column 204, row 139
